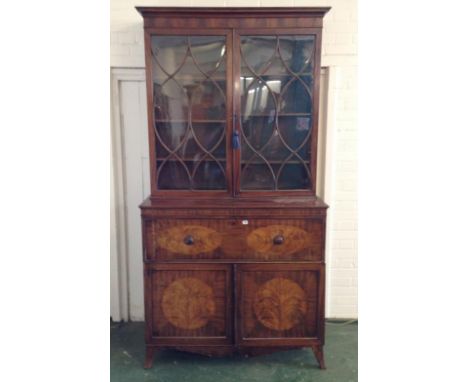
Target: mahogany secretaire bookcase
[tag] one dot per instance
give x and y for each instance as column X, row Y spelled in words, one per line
column 233, row 232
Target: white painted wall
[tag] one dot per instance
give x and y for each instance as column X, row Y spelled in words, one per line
column 130, row 158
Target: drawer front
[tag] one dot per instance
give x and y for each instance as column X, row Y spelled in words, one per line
column 279, row 302
column 189, row 303
column 234, row 239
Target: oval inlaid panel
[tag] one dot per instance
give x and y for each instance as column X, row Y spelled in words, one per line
column 280, row 304
column 188, row 303
column 294, row 239
column 204, row 239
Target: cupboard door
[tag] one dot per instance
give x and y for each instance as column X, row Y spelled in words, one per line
column 277, row 110
column 191, row 97
column 190, row 303
column 279, row 304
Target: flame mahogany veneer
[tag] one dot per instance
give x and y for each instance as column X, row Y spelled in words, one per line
column 231, row 270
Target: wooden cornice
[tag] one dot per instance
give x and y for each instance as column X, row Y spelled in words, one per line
column 233, row 11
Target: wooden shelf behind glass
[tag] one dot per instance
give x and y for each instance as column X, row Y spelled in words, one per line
column 190, row 160
column 193, row 121
column 244, row 76
column 190, row 77
column 279, row 115
column 224, row 160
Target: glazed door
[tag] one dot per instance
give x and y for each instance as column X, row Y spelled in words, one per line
column 190, row 304
column 190, row 111
column 233, row 113
column 276, row 104
column 279, row 304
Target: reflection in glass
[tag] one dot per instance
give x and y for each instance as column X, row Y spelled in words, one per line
column 189, row 88
column 264, row 55
column 257, row 176
column 276, row 87
column 208, row 101
column 173, row 175
column 209, row 176
column 293, row 176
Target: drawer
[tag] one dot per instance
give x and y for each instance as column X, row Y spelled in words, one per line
column 234, row 239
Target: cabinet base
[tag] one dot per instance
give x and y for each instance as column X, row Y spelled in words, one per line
column 318, row 352
column 149, row 357
column 224, row 351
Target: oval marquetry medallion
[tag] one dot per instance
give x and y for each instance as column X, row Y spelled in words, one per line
column 188, row 303
column 262, row 240
column 280, row 304
column 203, row 239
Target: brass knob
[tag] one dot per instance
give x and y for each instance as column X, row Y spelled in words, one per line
column 189, row 240
column 278, row 239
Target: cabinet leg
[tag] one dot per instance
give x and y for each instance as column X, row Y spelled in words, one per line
column 149, row 357
column 318, row 352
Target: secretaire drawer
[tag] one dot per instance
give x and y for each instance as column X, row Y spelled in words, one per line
column 234, row 239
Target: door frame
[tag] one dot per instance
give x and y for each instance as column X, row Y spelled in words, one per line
column 119, row 266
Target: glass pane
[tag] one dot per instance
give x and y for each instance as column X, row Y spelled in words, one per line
column 265, row 55
column 209, row 175
column 282, row 95
column 189, row 81
column 293, row 176
column 258, row 97
column 208, row 101
column 173, row 175
column 296, row 133
column 210, row 138
column 170, row 136
column 276, row 88
column 257, row 176
column 296, row 95
column 257, row 131
column 208, row 54
column 298, row 53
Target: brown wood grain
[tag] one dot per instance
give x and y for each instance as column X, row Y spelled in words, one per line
column 191, row 303
column 188, row 303
column 293, row 239
column 278, row 301
column 292, row 205
column 225, row 239
column 231, row 23
column 174, row 239
column 214, row 285
column 280, row 304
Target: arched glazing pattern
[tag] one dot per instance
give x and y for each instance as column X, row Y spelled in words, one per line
column 189, row 105
column 276, row 111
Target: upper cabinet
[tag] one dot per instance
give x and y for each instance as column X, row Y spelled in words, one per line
column 233, row 100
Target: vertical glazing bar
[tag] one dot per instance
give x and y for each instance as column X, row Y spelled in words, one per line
column 236, row 154
column 230, row 166
column 150, row 110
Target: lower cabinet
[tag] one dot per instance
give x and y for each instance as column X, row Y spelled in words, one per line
column 189, row 304
column 279, row 304
column 258, row 304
